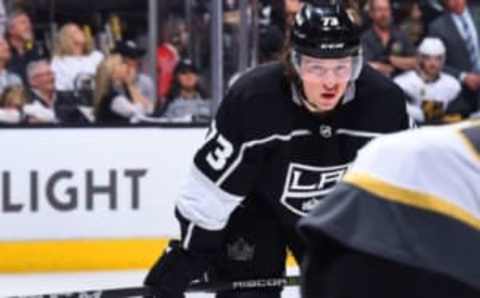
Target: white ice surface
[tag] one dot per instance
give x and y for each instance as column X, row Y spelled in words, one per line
column 32, row 284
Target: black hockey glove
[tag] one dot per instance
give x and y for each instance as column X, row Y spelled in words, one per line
column 174, row 271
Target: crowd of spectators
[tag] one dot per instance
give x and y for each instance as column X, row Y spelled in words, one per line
column 76, row 82
column 434, row 58
column 430, row 48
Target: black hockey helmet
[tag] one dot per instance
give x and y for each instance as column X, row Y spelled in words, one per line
column 325, row 30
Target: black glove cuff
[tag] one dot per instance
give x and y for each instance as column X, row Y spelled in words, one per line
column 174, row 271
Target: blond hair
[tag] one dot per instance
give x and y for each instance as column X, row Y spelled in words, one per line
column 64, row 41
column 14, row 95
column 104, row 78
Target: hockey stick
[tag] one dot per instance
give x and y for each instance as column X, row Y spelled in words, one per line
column 211, row 287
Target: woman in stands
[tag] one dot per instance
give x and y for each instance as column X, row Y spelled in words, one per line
column 74, row 61
column 116, row 99
column 12, row 101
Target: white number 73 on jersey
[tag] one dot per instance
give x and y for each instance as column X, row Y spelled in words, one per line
column 217, row 159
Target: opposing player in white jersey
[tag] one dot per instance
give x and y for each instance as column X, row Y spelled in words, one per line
column 405, row 222
column 429, row 89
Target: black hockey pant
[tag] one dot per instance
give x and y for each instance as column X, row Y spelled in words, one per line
column 256, row 247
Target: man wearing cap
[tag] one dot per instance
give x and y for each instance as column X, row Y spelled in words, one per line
column 429, row 89
column 186, row 97
column 133, row 54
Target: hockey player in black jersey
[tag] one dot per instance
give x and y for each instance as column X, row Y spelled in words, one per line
column 284, row 135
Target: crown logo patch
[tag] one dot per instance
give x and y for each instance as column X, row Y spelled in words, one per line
column 240, row 250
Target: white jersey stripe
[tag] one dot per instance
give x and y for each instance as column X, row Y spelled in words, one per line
column 245, row 146
column 358, row 133
column 188, row 236
column 204, row 204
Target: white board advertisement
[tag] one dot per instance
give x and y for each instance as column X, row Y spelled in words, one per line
column 59, row 184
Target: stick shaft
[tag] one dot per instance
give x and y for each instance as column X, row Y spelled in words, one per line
column 262, row 283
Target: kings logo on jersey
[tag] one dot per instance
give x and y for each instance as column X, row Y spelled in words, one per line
column 306, row 185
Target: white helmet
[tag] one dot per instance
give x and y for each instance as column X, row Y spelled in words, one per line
column 432, row 46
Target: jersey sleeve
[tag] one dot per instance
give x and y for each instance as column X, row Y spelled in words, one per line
column 222, row 175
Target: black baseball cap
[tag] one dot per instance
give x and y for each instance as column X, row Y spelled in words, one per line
column 184, row 66
column 129, row 49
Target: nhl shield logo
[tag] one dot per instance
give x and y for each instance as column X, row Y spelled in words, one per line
column 306, row 185
column 326, row 131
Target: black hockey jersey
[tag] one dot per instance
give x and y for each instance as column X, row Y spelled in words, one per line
column 264, row 145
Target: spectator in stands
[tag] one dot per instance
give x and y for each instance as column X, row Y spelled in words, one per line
column 291, row 8
column 431, row 9
column 74, row 58
column 430, row 90
column 23, row 45
column 7, row 78
column 41, row 108
column 270, row 44
column 412, row 24
column 12, row 101
column 168, row 55
column 117, row 100
column 386, row 48
column 282, row 12
column 186, row 98
column 132, row 55
column 459, row 31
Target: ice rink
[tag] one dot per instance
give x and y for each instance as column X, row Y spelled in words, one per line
column 33, row 284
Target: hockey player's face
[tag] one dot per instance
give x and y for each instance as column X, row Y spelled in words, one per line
column 431, row 65
column 325, row 80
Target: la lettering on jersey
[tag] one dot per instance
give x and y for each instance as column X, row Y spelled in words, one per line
column 306, row 185
column 265, row 146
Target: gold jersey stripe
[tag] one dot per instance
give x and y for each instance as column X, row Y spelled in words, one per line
column 389, row 192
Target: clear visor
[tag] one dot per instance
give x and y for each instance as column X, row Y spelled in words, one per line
column 341, row 69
